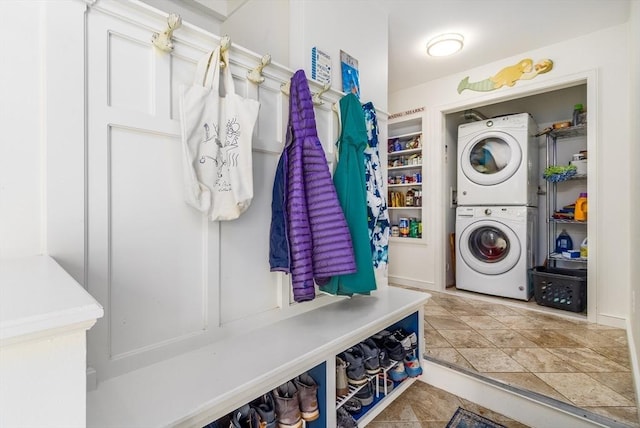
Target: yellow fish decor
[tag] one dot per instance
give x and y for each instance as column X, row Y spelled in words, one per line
column 523, row 70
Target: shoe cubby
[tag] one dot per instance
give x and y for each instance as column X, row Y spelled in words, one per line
column 382, row 388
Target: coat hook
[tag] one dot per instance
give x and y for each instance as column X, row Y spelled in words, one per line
column 225, row 44
column 316, row 96
column 255, row 75
column 163, row 40
column 286, row 88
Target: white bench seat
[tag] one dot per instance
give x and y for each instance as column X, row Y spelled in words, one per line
column 202, row 385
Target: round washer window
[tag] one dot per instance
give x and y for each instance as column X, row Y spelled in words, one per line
column 490, row 155
column 490, row 158
column 489, row 244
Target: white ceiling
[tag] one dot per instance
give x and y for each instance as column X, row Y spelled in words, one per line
column 493, row 29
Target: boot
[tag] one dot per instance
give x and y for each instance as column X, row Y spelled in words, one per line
column 245, row 417
column 287, row 406
column 266, row 409
column 308, row 394
column 342, row 385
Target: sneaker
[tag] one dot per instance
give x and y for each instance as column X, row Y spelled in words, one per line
column 394, row 349
column 371, row 356
column 266, row 408
column 412, row 366
column 344, row 419
column 404, row 338
column 287, row 406
column 223, row 422
column 352, row 405
column 383, row 356
column 365, row 394
column 398, row 373
column 245, row 417
column 382, row 384
column 342, row 385
column 355, row 366
column 308, row 395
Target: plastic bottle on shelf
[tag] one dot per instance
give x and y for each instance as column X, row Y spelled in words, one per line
column 563, row 242
column 577, row 109
column 580, row 212
column 584, row 249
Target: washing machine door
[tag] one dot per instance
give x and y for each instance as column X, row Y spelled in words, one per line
column 489, row 247
column 490, row 158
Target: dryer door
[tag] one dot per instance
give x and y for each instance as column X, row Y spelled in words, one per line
column 489, row 247
column 490, row 158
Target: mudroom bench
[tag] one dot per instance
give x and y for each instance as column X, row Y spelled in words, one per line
column 200, row 386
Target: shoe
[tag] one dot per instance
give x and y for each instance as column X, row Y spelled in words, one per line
column 344, row 419
column 382, row 383
column 394, row 349
column 365, row 394
column 355, row 366
column 371, row 356
column 287, row 406
column 404, row 338
column 398, row 373
column 352, row 405
column 308, row 396
column 342, row 385
column 245, row 417
column 383, row 357
column 412, row 366
column 266, row 409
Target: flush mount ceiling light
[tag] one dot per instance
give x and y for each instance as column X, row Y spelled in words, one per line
column 445, row 44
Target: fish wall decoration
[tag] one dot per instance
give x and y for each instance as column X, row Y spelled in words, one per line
column 508, row 76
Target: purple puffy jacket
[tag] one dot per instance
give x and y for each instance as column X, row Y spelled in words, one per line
column 319, row 239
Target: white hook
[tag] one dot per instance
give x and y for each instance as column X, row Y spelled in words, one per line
column 316, row 96
column 255, row 75
column 163, row 40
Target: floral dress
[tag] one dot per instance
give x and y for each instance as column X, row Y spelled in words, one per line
column 377, row 212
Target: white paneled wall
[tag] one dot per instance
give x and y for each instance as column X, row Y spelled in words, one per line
column 168, row 279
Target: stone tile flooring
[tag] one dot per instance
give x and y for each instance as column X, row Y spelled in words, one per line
column 566, row 358
column 424, row 406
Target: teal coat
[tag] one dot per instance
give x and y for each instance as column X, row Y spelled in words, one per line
column 349, row 179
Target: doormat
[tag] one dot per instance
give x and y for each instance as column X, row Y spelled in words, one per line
column 465, row 419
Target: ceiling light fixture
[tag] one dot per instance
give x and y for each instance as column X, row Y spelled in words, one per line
column 445, row 44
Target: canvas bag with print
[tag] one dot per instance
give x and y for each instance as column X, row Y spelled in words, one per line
column 216, row 142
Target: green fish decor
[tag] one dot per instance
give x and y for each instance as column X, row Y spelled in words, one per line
column 508, row 76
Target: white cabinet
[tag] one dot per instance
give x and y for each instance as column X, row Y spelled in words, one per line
column 404, row 177
column 44, row 317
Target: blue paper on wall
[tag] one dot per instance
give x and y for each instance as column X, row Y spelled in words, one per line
column 350, row 76
column 320, row 66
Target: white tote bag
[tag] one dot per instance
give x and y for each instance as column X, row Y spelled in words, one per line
column 216, row 142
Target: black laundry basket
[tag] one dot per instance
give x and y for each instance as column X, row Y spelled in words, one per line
column 560, row 288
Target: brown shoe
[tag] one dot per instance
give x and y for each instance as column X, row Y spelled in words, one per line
column 342, row 385
column 308, row 394
column 287, row 406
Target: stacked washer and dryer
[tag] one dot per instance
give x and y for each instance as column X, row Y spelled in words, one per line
column 496, row 217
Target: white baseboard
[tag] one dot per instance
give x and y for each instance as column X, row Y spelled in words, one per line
column 635, row 364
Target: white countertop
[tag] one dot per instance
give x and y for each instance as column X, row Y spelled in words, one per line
column 37, row 295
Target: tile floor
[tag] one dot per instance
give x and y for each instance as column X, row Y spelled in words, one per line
column 566, row 358
column 424, row 406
